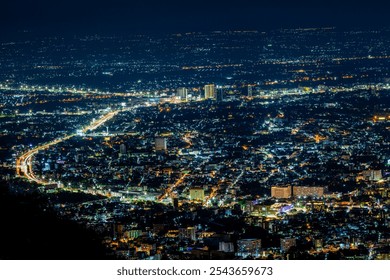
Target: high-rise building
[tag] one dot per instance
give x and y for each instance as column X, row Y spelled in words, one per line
column 219, row 94
column 161, row 144
column 182, row 93
column 209, row 91
column 249, row 91
column 281, row 192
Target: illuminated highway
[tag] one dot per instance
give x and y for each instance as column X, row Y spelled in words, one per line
column 24, row 163
column 169, row 190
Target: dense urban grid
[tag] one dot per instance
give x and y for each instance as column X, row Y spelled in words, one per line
column 218, row 145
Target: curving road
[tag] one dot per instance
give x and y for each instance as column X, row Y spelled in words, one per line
column 25, row 162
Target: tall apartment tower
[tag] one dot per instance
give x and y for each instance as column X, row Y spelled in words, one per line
column 250, row 91
column 209, row 91
column 182, row 92
column 219, row 94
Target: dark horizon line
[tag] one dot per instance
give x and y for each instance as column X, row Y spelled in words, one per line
column 39, row 32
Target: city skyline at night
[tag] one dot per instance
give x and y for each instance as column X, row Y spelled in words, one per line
column 219, row 130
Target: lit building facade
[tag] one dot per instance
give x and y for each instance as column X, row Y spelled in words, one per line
column 281, row 192
column 308, row 191
column 182, row 93
column 209, row 91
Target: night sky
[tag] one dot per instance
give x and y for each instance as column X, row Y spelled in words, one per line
column 152, row 16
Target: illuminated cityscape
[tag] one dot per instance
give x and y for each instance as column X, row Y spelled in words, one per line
column 232, row 144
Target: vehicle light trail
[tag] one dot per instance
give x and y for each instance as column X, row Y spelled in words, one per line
column 24, row 164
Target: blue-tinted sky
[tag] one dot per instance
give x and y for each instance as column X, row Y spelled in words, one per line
column 135, row 16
